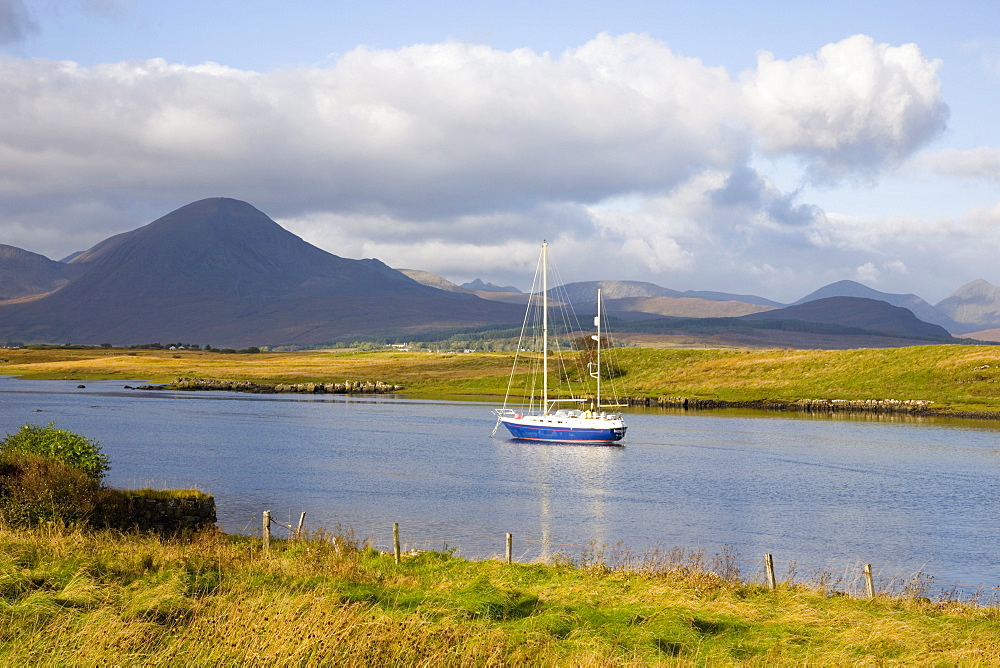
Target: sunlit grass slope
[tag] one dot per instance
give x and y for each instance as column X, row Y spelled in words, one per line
column 71, row 598
column 958, row 377
column 953, row 377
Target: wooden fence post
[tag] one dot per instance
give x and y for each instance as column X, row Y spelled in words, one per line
column 266, row 532
column 769, row 571
column 510, row 541
column 395, row 540
column 869, row 583
column 298, row 530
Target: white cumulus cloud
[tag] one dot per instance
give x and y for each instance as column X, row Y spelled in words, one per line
column 855, row 105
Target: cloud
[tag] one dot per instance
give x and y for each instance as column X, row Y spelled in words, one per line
column 870, row 273
column 988, row 53
column 982, row 162
column 867, row 273
column 426, row 130
column 16, row 24
column 635, row 162
column 747, row 189
column 106, row 8
column 853, row 108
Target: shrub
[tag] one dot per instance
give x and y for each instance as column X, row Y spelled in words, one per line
column 35, row 489
column 61, row 445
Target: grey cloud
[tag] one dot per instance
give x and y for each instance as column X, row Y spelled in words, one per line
column 785, row 211
column 16, row 24
column 743, row 187
column 747, row 190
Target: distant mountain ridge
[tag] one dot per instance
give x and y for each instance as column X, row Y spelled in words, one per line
column 220, row 272
column 913, row 303
column 976, row 305
column 830, row 323
column 477, row 285
column 586, row 291
column 860, row 312
column 441, row 283
column 433, row 280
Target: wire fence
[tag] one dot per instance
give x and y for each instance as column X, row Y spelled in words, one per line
column 853, row 578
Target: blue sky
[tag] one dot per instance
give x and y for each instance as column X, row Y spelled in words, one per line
column 766, row 148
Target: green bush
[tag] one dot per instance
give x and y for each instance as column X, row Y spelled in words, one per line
column 35, row 489
column 58, row 444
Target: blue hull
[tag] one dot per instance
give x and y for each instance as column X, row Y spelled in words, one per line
column 552, row 434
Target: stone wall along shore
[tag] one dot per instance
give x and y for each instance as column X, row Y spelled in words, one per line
column 906, row 406
column 166, row 512
column 347, row 387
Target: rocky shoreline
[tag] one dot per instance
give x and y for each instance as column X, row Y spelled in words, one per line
column 914, row 407
column 907, row 406
column 347, row 387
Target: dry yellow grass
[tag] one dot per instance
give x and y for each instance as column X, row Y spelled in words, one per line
column 964, row 378
column 69, row 597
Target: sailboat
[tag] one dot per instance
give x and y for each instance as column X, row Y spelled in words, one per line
column 562, row 425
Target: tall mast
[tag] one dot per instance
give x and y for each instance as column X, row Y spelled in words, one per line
column 597, row 321
column 545, row 328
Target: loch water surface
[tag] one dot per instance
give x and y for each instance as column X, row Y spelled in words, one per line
column 907, row 495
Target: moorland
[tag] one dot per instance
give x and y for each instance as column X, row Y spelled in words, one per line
column 957, row 379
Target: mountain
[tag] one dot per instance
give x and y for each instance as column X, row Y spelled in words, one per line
column 220, row 272
column 680, row 307
column 441, row 283
column 975, row 305
column 729, row 297
column 915, row 304
column 983, row 335
column 585, row 292
column 860, row 312
column 478, row 286
column 834, row 323
column 25, row 274
column 631, row 299
column 433, row 280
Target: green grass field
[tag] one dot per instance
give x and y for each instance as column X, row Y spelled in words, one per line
column 75, row 598
column 955, row 378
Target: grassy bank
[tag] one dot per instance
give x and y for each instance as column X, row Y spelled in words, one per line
column 69, row 597
column 955, row 378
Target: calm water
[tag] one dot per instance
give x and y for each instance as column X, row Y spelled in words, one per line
column 906, row 496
